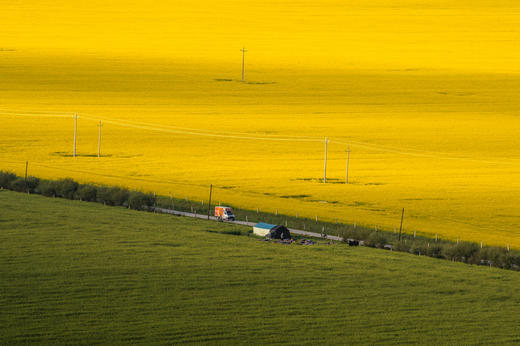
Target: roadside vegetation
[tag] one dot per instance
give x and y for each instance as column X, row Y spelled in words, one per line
column 466, row 252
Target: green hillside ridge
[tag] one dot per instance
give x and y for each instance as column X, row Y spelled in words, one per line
column 75, row 272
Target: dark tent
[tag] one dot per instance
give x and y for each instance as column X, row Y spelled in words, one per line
column 279, row 232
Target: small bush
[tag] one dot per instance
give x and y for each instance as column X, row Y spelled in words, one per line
column 66, row 188
column 86, row 193
column 32, row 184
column 463, row 251
column 419, row 248
column 47, row 188
column 435, row 250
column 402, row 246
column 140, row 201
column 376, row 239
column 496, row 256
column 113, row 196
column 17, row 184
column 6, row 178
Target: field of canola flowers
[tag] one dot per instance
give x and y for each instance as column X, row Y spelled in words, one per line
column 424, row 95
column 434, row 145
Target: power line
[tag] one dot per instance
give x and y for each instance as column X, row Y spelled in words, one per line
column 246, row 136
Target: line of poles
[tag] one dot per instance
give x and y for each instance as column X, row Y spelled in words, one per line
column 74, row 152
column 325, row 163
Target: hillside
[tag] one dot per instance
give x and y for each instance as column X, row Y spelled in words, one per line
column 75, row 272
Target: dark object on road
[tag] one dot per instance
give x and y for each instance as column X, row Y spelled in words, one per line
column 353, row 242
column 306, row 242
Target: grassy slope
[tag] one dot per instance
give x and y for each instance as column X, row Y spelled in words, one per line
column 77, row 272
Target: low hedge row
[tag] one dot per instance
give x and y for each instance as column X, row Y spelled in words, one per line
column 466, row 252
column 70, row 189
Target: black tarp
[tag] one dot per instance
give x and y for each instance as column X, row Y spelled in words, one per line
column 279, row 232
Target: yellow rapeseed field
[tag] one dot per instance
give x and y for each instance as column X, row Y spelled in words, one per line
column 424, row 93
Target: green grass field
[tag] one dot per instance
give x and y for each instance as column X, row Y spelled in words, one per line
column 73, row 272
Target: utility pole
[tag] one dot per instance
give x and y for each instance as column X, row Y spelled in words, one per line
column 401, row 227
column 348, row 158
column 325, row 165
column 75, row 131
column 243, row 50
column 99, row 141
column 209, row 204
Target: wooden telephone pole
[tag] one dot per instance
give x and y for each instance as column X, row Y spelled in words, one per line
column 325, row 165
column 99, row 141
column 209, row 204
column 243, row 50
column 401, row 227
column 348, row 158
column 75, row 132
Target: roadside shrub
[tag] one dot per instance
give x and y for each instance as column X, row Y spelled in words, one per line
column 17, row 184
column 402, row 246
column 376, row 239
column 435, row 250
column 47, row 188
column 495, row 256
column 113, row 196
column 86, row 193
column 460, row 252
column 66, row 188
column 358, row 233
column 346, row 234
column 140, row 201
column 6, row 178
column 32, row 184
column 419, row 248
column 102, row 194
